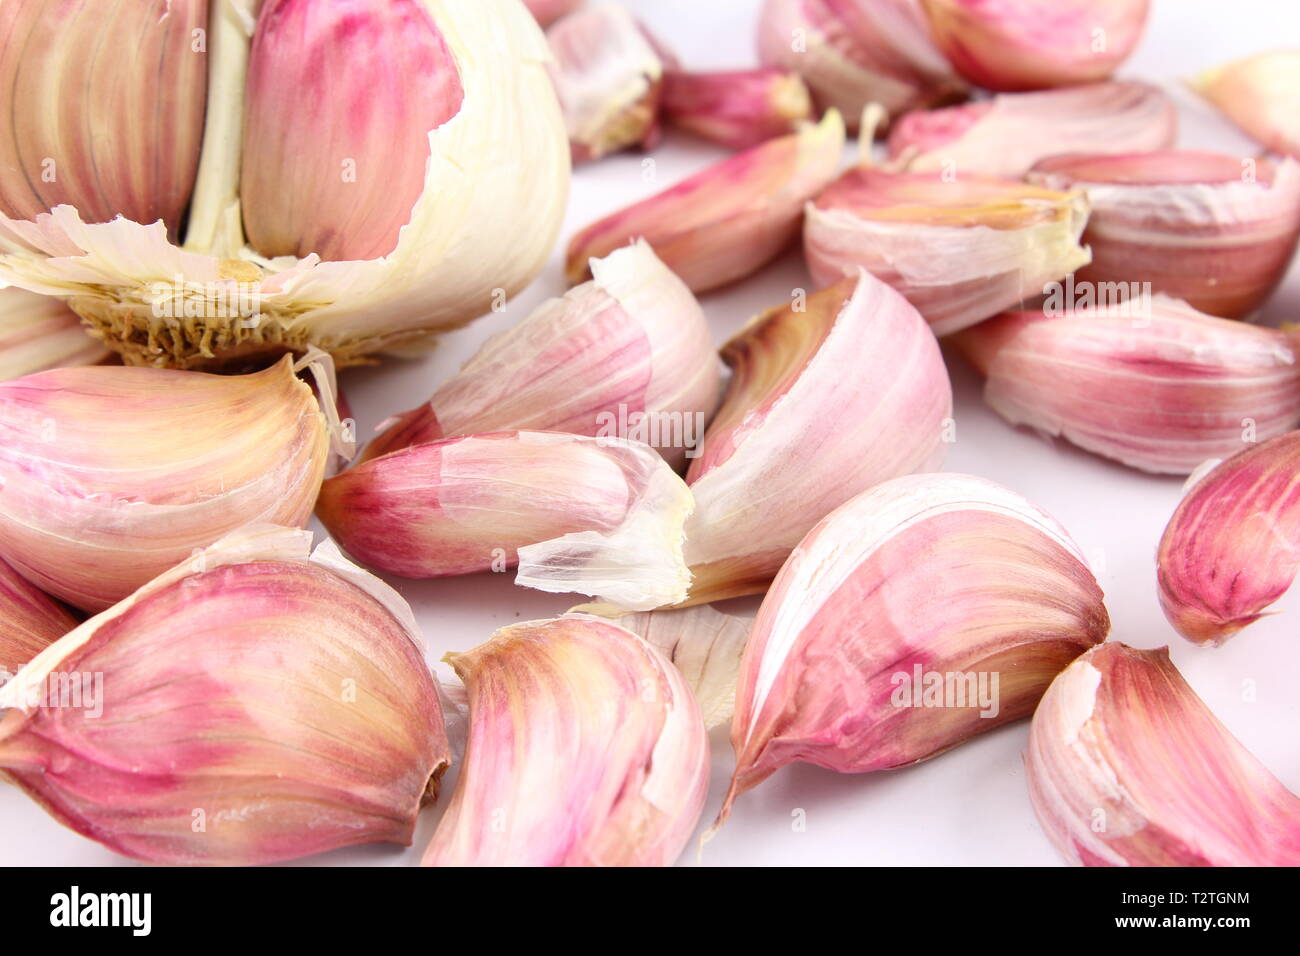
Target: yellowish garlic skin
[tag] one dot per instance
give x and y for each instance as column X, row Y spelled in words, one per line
column 29, row 620
column 1258, row 93
column 39, row 332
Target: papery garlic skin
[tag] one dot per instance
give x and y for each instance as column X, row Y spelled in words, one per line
column 548, row 11
column 1029, row 44
column 110, row 475
column 737, row 109
column 1214, row 230
column 29, row 621
column 1128, row 767
column 959, row 250
column 936, row 574
column 724, row 223
column 38, row 332
column 1259, row 94
column 586, row 748
column 1230, row 549
column 824, row 402
column 1160, row 388
column 630, row 346
column 1007, row 135
column 249, row 706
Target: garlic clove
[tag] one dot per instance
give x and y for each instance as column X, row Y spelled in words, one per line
column 918, row 614
column 828, row 397
column 585, row 748
column 248, row 706
column 90, row 513
column 1259, row 94
column 548, row 11
column 1029, row 45
column 29, row 621
column 1128, row 767
column 1161, row 389
column 599, row 516
column 959, row 250
column 108, row 133
column 1008, row 134
column 1230, row 549
column 727, row 221
column 738, row 109
column 38, row 332
column 628, row 354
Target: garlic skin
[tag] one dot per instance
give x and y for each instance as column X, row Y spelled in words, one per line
column 1128, row 767
column 959, row 250
column 1160, row 392
column 630, row 345
column 729, row 220
column 1006, row 135
column 1230, row 549
column 89, row 513
column 548, row 11
column 1214, row 230
column 586, row 748
column 1029, row 45
column 937, row 574
column 251, row 705
column 1259, row 94
column 29, row 621
column 738, row 109
column 823, row 403
column 855, row 52
column 598, row 516
column 38, row 332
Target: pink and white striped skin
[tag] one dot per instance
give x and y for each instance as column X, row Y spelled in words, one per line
column 40, row 332
column 738, row 109
column 30, row 620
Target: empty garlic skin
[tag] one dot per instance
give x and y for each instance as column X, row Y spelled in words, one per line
column 89, row 513
column 960, row 250
column 29, row 621
column 1128, row 767
column 1161, row 388
column 1232, row 547
column 586, row 748
column 830, row 395
column 630, row 346
column 937, row 574
column 1259, row 94
column 1029, row 45
column 39, row 332
column 738, row 109
column 249, row 706
column 1008, row 134
column 724, row 223
column 1217, row 231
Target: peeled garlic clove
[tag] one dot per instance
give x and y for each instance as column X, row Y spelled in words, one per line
column 548, row 11
column 738, row 109
column 90, row 512
column 599, row 516
column 918, row 614
column 38, row 332
column 1260, row 95
column 1230, row 549
column 858, row 52
column 959, row 250
column 109, row 133
column 1029, row 45
column 727, row 221
column 586, row 748
column 828, row 397
column 1007, row 135
column 29, row 621
column 1155, row 385
column 627, row 355
column 1128, row 767
column 248, row 706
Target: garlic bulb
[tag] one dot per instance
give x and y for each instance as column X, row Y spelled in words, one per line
column 739, row 108
column 29, row 621
column 38, row 332
column 1261, row 94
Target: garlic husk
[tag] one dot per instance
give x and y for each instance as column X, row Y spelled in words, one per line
column 1230, row 549
column 548, row 11
column 1259, row 94
column 960, row 251
column 1214, row 230
column 503, row 157
column 724, row 223
column 586, row 748
column 38, row 332
column 109, row 133
column 30, row 620
column 737, row 109
column 627, row 354
column 1008, row 134
column 855, row 52
column 251, row 705
column 825, row 401
column 1160, row 389
column 109, row 475
column 928, row 576
column 1128, row 767
column 598, row 516
column 1030, row 45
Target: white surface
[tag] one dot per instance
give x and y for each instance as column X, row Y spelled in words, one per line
column 968, row 806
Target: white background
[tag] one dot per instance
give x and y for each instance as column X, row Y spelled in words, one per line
column 968, row 806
